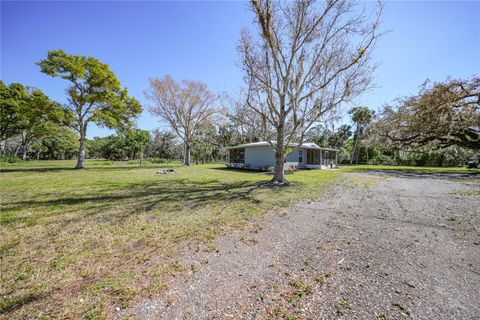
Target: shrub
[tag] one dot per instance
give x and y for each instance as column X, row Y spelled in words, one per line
column 100, row 163
column 10, row 159
column 159, row 160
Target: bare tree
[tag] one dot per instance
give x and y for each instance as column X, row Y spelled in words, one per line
column 186, row 106
column 303, row 62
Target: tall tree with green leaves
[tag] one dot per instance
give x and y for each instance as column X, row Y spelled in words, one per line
column 361, row 117
column 94, row 94
column 27, row 112
column 40, row 116
column 137, row 141
column 164, row 145
column 11, row 98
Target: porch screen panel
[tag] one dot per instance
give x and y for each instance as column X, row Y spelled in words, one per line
column 237, row 155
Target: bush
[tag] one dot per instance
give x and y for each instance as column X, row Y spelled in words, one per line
column 383, row 160
column 99, row 163
column 9, row 159
column 159, row 160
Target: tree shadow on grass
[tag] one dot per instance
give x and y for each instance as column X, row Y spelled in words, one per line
column 248, row 171
column 161, row 195
column 30, row 169
column 16, row 302
column 53, row 169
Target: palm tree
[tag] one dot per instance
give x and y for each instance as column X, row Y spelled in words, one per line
column 361, row 117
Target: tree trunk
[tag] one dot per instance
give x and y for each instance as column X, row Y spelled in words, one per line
column 3, row 147
column 24, row 145
column 279, row 172
column 355, row 147
column 186, row 154
column 24, row 151
column 16, row 150
column 81, row 150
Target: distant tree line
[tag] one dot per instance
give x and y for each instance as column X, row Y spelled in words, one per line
column 438, row 126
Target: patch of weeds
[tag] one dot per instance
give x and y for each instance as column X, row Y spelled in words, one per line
column 469, row 193
column 286, row 273
column 402, row 308
column 24, row 274
column 211, row 249
column 300, row 289
column 328, row 274
column 176, row 266
column 307, row 262
column 204, row 261
column 93, row 314
column 8, row 247
column 342, row 307
column 279, row 313
column 169, row 301
column 117, row 287
column 452, row 219
column 249, row 240
column 257, row 228
column 297, row 284
column 320, row 280
column 276, row 312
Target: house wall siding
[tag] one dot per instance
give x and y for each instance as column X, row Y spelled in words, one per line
column 259, row 156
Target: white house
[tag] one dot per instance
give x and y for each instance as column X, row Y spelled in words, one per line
column 261, row 156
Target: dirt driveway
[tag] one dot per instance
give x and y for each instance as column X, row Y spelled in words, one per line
column 377, row 247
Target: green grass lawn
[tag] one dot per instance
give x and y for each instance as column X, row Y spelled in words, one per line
column 79, row 243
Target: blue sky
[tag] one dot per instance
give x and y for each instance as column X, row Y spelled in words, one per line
column 197, row 40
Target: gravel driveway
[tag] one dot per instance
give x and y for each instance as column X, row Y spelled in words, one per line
column 377, row 246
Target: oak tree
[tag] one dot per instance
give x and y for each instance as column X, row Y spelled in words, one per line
column 185, row 106
column 442, row 114
column 304, row 60
column 94, row 94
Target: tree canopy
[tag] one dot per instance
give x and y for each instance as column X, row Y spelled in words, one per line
column 442, row 114
column 186, row 106
column 28, row 112
column 94, row 94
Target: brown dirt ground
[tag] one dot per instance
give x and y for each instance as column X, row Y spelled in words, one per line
column 378, row 246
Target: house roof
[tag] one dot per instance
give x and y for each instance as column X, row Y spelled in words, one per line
column 308, row 145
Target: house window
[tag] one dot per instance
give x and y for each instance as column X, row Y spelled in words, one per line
column 237, row 155
column 300, row 156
